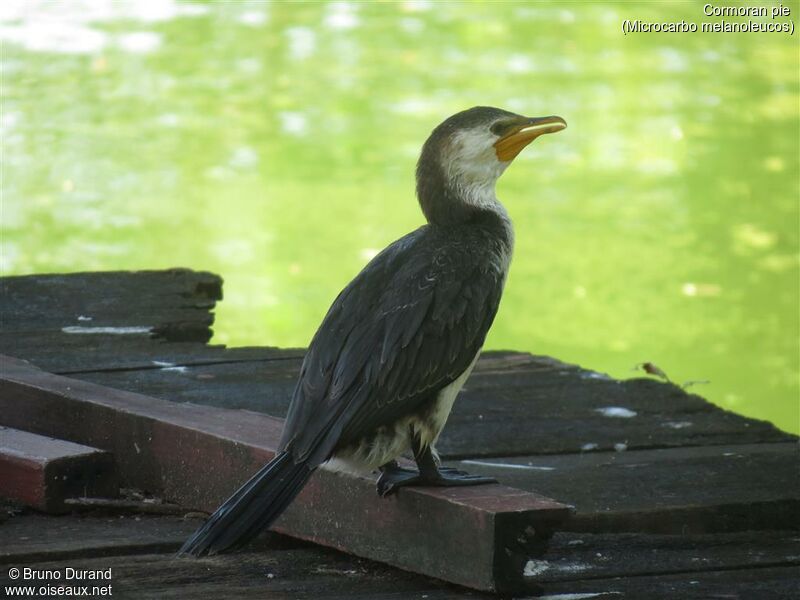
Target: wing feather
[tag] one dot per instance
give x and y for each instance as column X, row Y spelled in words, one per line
column 408, row 325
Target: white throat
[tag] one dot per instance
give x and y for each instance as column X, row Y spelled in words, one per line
column 478, row 194
column 472, row 169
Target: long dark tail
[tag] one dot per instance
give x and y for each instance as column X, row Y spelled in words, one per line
column 251, row 509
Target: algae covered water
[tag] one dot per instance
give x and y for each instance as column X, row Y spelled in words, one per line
column 275, row 143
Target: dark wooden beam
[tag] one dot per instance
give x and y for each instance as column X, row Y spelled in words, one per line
column 273, row 570
column 670, row 490
column 479, row 537
column 34, row 537
column 68, row 354
column 173, row 305
column 758, row 565
column 574, row 556
column 771, row 583
column 43, row 472
column 513, row 404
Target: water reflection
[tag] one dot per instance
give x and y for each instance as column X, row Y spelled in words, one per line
column 275, row 143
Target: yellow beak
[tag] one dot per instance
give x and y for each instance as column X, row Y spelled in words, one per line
column 512, row 143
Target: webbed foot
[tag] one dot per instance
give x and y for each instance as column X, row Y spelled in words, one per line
column 393, row 476
column 449, row 477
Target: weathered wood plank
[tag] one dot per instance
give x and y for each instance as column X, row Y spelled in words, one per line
column 174, row 303
column 313, row 572
column 574, row 556
column 264, row 387
column 198, row 455
column 154, row 318
column 779, row 583
column 691, row 489
column 276, row 573
column 71, row 354
column 568, row 409
column 158, row 446
column 31, row 538
column 583, row 560
column 108, row 291
column 115, row 320
column 514, row 404
column 43, row 472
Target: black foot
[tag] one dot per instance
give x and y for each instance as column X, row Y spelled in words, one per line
column 450, row 477
column 394, row 476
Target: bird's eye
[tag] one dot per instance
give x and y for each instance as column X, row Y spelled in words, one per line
column 498, row 128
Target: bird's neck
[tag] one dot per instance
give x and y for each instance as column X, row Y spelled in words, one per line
column 454, row 206
column 453, row 200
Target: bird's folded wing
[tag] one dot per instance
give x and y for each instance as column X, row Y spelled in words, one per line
column 408, row 325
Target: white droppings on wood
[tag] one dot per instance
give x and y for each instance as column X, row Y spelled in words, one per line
column 168, row 366
column 589, row 447
column 619, row 412
column 535, row 567
column 677, row 424
column 620, row 447
column 84, row 318
column 483, row 463
column 106, row 330
column 571, row 567
column 583, row 596
column 593, row 375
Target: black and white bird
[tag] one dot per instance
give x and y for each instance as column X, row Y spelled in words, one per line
column 398, row 343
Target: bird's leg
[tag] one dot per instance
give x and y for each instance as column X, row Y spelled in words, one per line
column 394, row 476
column 432, row 474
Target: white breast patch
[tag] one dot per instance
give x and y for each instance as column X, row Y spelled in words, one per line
column 391, row 442
column 443, row 405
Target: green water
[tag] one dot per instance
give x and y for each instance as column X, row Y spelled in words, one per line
column 275, row 144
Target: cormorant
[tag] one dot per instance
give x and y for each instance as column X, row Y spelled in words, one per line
column 382, row 372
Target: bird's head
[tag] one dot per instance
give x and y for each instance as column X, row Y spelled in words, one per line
column 466, row 154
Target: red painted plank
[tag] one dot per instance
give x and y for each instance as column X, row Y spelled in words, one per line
column 42, row 472
column 198, row 455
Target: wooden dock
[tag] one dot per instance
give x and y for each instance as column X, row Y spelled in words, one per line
column 672, row 496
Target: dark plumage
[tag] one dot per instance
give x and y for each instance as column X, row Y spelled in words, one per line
column 409, row 324
column 398, row 342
